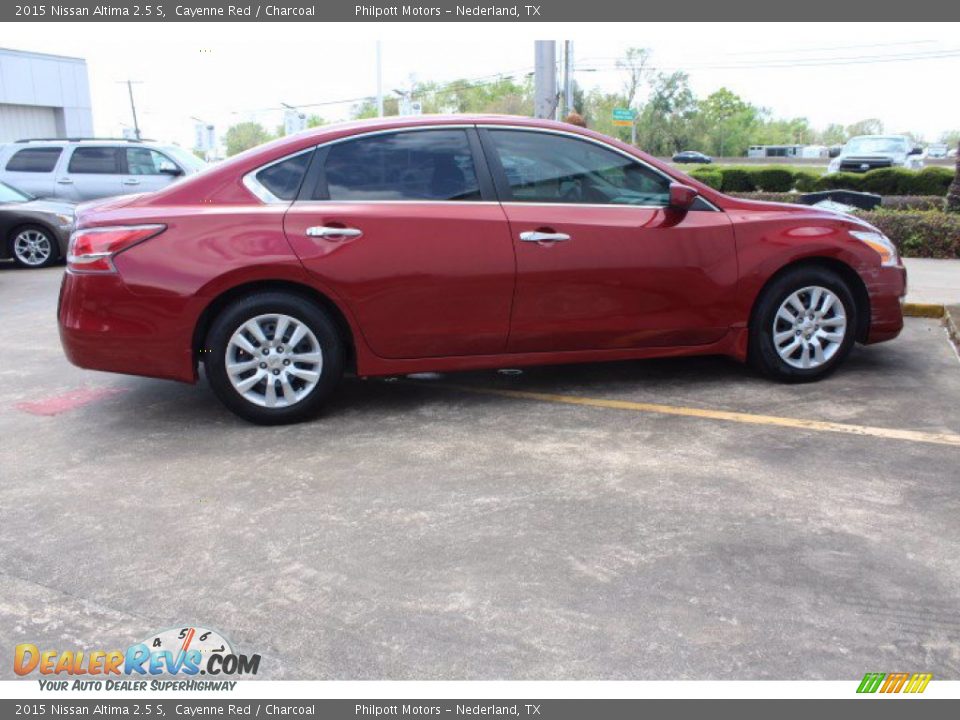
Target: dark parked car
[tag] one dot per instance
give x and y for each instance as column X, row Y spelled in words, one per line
column 692, row 156
column 35, row 232
column 407, row 245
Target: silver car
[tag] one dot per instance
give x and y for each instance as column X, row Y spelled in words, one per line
column 34, row 232
column 81, row 169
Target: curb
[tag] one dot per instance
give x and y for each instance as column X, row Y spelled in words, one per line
column 924, row 310
column 951, row 320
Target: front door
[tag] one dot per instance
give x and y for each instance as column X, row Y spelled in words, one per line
column 92, row 172
column 404, row 227
column 602, row 261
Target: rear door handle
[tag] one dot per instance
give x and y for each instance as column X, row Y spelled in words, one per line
column 325, row 231
column 537, row 236
column 65, row 181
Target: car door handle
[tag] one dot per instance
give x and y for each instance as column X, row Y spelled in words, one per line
column 537, row 236
column 65, row 181
column 131, row 181
column 325, row 231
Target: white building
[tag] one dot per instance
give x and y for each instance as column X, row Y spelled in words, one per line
column 43, row 96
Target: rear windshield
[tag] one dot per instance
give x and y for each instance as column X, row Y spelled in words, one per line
column 34, row 160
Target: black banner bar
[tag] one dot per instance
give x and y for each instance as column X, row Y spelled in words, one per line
column 874, row 708
column 480, row 11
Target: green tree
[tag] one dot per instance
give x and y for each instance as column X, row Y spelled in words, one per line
column 244, row 136
column 865, row 127
column 665, row 124
column 729, row 123
column 950, row 138
column 833, row 134
column 315, row 121
column 634, row 65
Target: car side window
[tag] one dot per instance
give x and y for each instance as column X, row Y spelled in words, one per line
column 34, row 160
column 95, row 161
column 548, row 168
column 430, row 165
column 144, row 161
column 283, row 178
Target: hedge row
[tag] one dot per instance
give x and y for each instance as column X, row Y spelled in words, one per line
column 919, row 233
column 890, row 202
column 782, row 179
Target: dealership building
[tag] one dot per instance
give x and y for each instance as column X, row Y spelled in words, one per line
column 43, row 96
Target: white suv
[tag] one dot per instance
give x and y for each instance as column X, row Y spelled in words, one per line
column 86, row 169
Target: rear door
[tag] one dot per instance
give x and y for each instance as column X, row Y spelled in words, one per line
column 405, row 227
column 602, row 261
column 32, row 169
column 92, row 171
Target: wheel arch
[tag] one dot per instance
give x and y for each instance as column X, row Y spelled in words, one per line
column 857, row 288
column 221, row 301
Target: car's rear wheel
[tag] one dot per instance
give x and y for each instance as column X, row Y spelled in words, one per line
column 804, row 325
column 273, row 358
column 33, row 246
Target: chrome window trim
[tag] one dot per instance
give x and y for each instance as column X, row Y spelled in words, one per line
column 253, row 185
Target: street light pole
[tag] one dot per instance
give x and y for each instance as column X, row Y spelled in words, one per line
column 133, row 108
column 544, row 78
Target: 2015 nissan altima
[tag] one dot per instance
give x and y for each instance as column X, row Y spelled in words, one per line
column 454, row 243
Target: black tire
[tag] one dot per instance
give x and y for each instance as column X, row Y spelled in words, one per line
column 763, row 354
column 303, row 311
column 48, row 237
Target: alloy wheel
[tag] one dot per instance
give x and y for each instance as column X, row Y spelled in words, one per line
column 32, row 247
column 274, row 360
column 809, row 327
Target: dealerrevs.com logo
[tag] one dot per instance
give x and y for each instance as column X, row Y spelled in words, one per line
column 185, row 652
column 887, row 683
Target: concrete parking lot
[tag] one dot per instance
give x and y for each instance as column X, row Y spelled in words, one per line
column 430, row 529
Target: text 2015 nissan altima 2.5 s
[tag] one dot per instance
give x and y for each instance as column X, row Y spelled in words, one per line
column 454, row 243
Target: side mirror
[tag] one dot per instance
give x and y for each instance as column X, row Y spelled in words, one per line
column 916, row 151
column 682, row 196
column 170, row 169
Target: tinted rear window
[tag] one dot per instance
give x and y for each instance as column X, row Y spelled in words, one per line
column 34, row 160
column 416, row 165
column 283, row 178
column 95, row 160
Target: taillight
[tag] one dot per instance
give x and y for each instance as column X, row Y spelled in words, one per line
column 93, row 249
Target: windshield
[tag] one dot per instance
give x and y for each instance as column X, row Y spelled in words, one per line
column 187, row 159
column 868, row 145
column 9, row 194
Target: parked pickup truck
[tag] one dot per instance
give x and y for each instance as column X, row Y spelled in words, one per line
column 869, row 152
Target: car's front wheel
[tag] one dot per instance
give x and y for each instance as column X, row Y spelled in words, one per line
column 33, row 246
column 804, row 325
column 273, row 358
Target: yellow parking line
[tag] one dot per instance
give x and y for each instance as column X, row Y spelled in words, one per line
column 738, row 417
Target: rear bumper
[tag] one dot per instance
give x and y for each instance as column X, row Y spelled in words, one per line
column 105, row 326
column 886, row 304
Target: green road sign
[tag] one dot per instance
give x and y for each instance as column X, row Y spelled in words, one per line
column 627, row 114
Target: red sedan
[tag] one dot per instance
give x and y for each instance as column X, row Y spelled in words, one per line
column 454, row 243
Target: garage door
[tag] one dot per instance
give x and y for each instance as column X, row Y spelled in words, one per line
column 26, row 121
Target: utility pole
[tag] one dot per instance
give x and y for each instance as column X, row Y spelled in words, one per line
column 379, row 80
column 544, row 79
column 567, row 77
column 133, row 107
